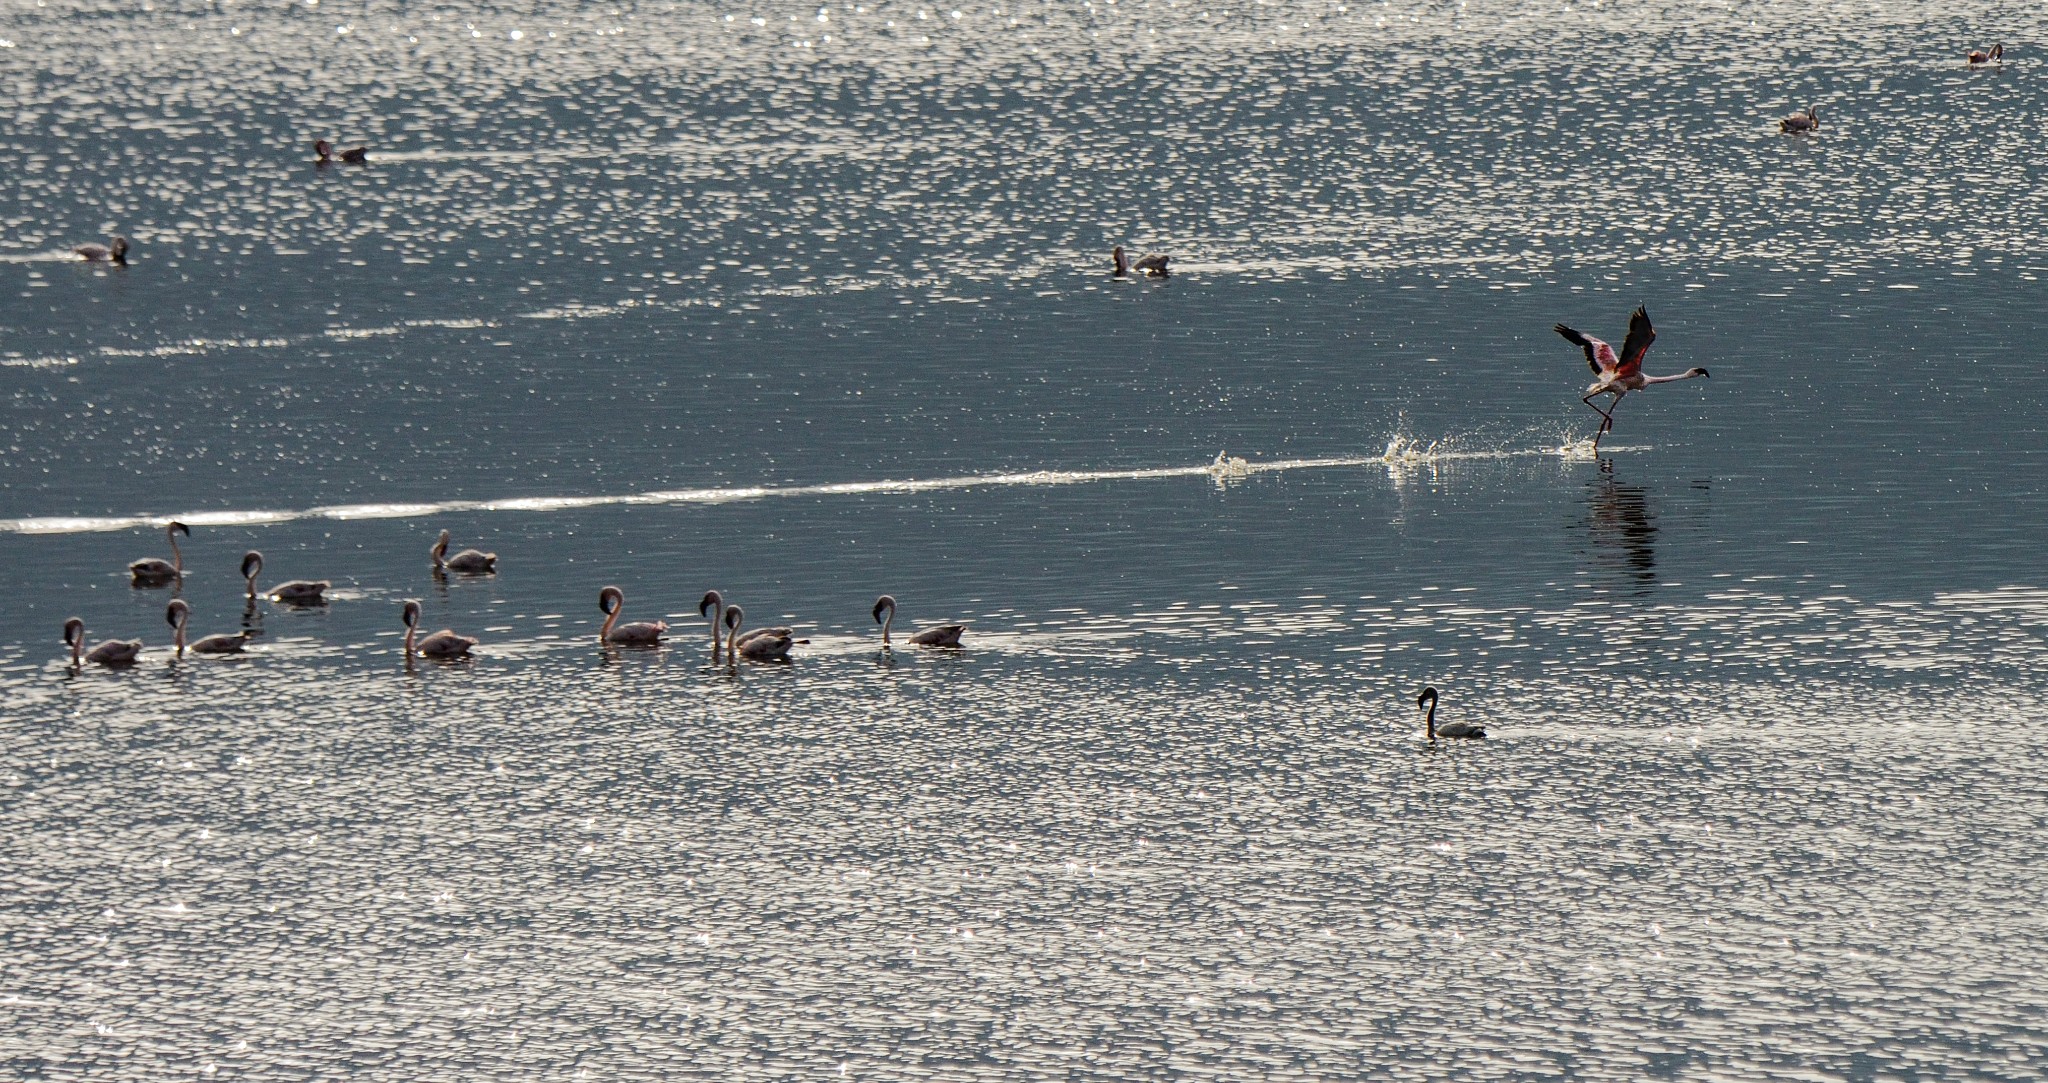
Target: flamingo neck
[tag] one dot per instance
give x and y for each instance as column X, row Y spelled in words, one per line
column 1429, row 720
column 177, row 558
column 411, row 630
column 886, row 622
column 178, row 636
column 717, row 615
column 604, row 634
column 1648, row 380
column 732, row 644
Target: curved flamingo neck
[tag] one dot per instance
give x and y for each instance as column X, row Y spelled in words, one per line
column 732, row 642
column 1429, row 720
column 178, row 633
column 177, row 558
column 604, row 634
column 886, row 622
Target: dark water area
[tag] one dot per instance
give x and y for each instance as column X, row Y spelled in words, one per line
column 812, row 303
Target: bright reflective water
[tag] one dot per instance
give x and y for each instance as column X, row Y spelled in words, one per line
column 811, row 303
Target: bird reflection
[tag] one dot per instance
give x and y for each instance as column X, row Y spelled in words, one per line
column 1623, row 528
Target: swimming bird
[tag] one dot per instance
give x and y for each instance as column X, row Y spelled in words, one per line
column 353, row 155
column 1997, row 53
column 295, row 592
column 113, row 652
column 945, row 635
column 469, row 560
column 765, row 645
column 1808, row 121
column 115, row 251
column 639, row 633
column 178, row 613
column 1454, row 729
column 151, row 572
column 1152, row 263
column 442, row 644
column 713, row 607
column 1619, row 376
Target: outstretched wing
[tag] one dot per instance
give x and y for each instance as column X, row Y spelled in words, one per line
column 1599, row 355
column 1637, row 344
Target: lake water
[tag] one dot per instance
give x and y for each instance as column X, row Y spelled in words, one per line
column 808, row 303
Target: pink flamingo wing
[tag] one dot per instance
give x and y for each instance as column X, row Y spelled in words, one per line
column 1637, row 345
column 1599, row 355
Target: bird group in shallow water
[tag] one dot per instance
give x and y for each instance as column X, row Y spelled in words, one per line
column 731, row 640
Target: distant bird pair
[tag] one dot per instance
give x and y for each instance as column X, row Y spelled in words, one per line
column 324, row 152
column 1152, row 263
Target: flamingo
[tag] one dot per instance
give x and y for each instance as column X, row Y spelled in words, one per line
column 639, row 633
column 295, row 592
column 1619, row 376
column 765, row 645
column 945, row 635
column 1152, row 263
column 178, row 613
column 114, row 251
column 113, row 652
column 1997, row 53
column 326, row 153
column 442, row 644
column 713, row 605
column 472, row 561
column 152, row 572
column 1454, row 729
column 1808, row 121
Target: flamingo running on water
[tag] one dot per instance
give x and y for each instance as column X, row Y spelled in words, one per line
column 1619, row 376
column 1451, row 729
column 1152, row 263
column 945, row 635
column 1808, row 121
column 113, row 652
column 637, row 634
column 178, row 613
column 152, row 572
column 1996, row 53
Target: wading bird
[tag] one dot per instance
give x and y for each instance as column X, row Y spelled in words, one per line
column 764, row 645
column 115, row 251
column 1808, row 121
column 296, row 592
column 1152, row 263
column 1997, row 53
column 442, row 644
column 639, row 633
column 178, row 613
column 474, row 561
column 325, row 152
column 1619, row 376
column 1454, row 729
column 113, row 652
column 151, row 572
column 945, row 635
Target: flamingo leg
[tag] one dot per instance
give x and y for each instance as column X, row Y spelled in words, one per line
column 1607, row 425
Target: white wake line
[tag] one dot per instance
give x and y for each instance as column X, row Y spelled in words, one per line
column 1398, row 455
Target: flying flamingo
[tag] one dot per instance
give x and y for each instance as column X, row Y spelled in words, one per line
column 1619, row 376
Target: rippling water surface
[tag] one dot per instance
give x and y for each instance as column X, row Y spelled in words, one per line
column 810, row 302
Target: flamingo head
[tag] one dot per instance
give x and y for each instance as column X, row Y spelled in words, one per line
column 610, row 599
column 74, row 632
column 323, row 149
column 412, row 614
column 884, row 602
column 733, row 616
column 712, row 600
column 177, row 613
column 252, row 563
column 119, row 254
column 1691, row 372
column 173, row 525
column 1427, row 698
